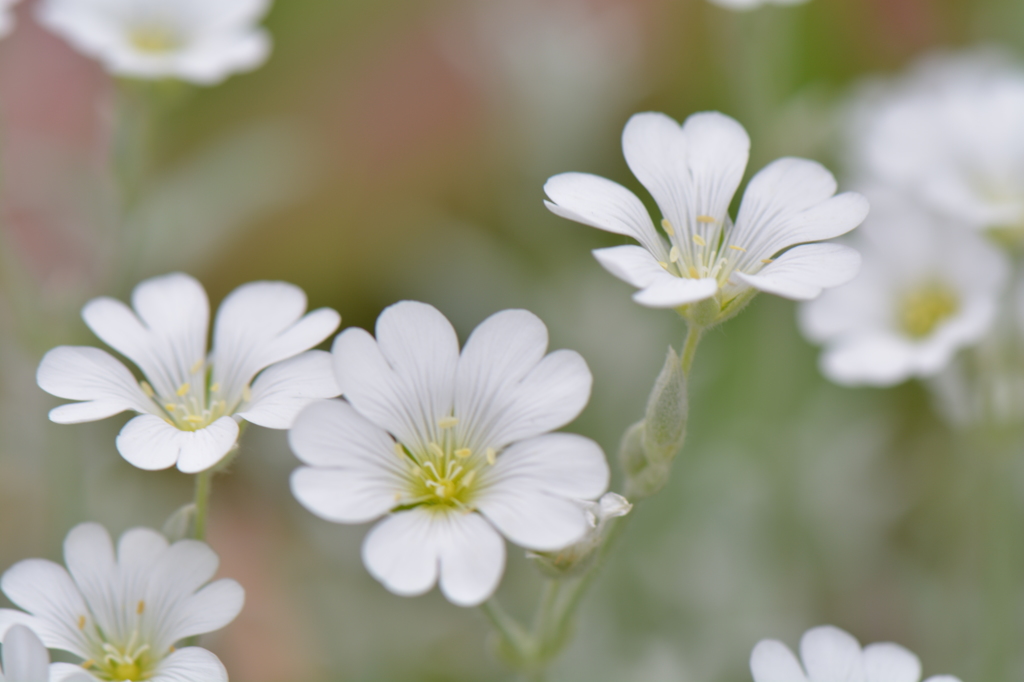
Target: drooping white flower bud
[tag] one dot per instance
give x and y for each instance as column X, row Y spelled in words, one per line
column 578, row 557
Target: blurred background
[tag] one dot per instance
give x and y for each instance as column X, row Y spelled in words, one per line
column 397, row 149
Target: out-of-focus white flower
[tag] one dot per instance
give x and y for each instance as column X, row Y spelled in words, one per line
column 745, row 5
column 453, row 449
column 829, row 654
column 200, row 41
column 926, row 290
column 949, row 134
column 27, row 660
column 693, row 171
column 190, row 403
column 122, row 614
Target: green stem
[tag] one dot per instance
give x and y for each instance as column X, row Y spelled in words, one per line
column 204, row 481
column 512, row 633
column 693, row 336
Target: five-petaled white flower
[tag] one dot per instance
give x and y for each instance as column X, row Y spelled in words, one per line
column 190, row 403
column 201, row 41
column 693, row 171
column 122, row 614
column 927, row 289
column 453, row 449
column 948, row 134
column 25, row 659
column 830, row 654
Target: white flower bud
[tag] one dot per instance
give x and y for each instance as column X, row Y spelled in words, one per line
column 577, row 558
column 667, row 406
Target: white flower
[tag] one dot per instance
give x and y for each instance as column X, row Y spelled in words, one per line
column 190, row 403
column 27, row 660
column 693, row 171
column 744, row 5
column 927, row 289
column 451, row 448
column 202, row 41
column 123, row 614
column 949, row 134
column 830, row 654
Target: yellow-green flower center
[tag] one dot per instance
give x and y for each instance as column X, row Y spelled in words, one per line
column 925, row 308
column 197, row 403
column 154, row 39
column 443, row 474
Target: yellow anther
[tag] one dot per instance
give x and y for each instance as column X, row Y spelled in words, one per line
column 196, row 367
column 399, row 450
column 468, row 480
column 663, row 264
column 737, row 248
column 417, row 472
column 699, row 240
column 88, row 664
column 147, row 389
column 705, row 219
column 667, row 226
column 463, row 453
column 172, row 649
column 170, row 407
column 81, row 622
column 673, row 255
column 693, row 273
column 183, row 389
column 492, row 456
column 435, row 450
column 247, row 394
column 194, row 418
column 141, row 607
column 447, row 422
column 215, row 388
column 766, row 261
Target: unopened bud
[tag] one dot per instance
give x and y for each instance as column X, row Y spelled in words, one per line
column 667, row 406
column 578, row 557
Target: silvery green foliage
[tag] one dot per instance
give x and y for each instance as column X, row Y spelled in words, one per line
column 649, row 446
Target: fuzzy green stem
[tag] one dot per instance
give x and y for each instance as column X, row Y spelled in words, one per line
column 693, row 336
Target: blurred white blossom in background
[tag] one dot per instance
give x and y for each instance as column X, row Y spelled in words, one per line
column 192, row 40
column 746, row 5
column 927, row 289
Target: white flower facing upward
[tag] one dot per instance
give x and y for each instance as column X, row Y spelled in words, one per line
column 190, row 403
column 123, row 613
column 830, row 654
column 452, row 449
column 927, row 289
column 948, row 133
column 25, row 659
column 692, row 171
column 201, row 41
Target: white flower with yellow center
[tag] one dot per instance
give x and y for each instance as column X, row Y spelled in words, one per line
column 453, row 449
column 927, row 289
column 201, row 41
column 123, row 613
column 948, row 134
column 190, row 403
column 692, row 171
column 830, row 655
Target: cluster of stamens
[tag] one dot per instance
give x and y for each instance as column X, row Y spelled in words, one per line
column 445, row 474
column 154, row 38
column 195, row 404
column 702, row 260
column 923, row 309
column 120, row 663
